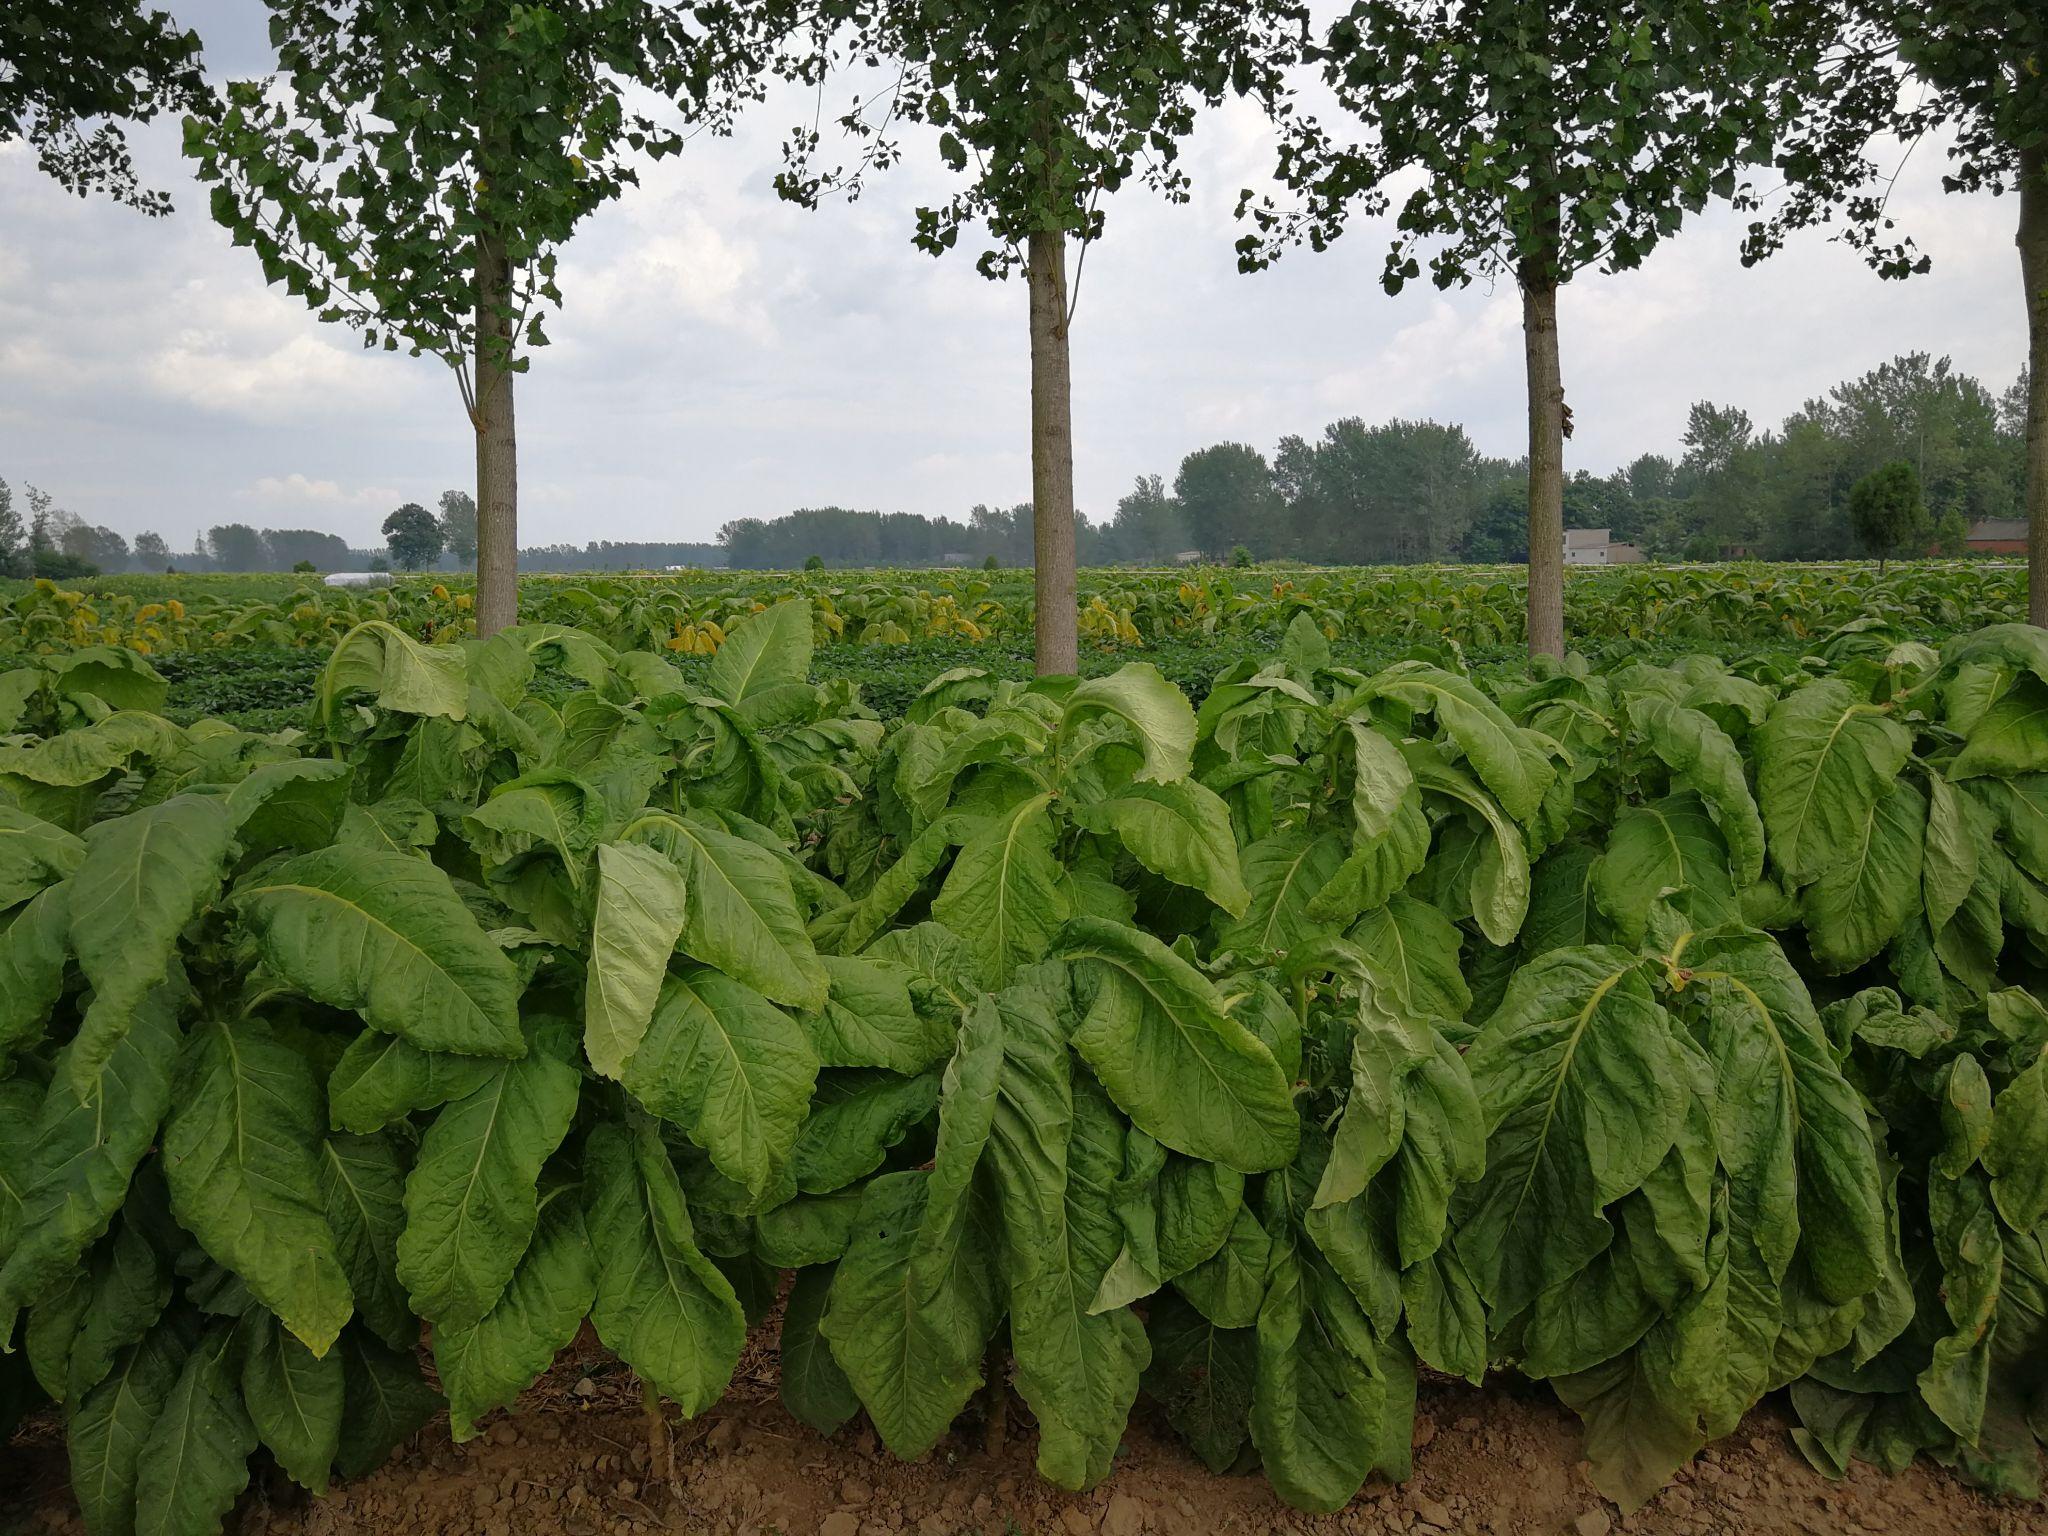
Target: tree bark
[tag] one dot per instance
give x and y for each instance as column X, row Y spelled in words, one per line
column 1546, row 466
column 497, row 447
column 2033, row 243
column 1052, row 458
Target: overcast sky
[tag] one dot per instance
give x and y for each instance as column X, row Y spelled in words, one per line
column 722, row 354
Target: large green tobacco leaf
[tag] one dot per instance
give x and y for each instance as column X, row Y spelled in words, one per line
column 298, row 804
column 33, row 951
column 387, row 935
column 855, row 1119
column 1500, row 875
column 382, row 1078
column 1380, row 781
column 362, row 1186
column 1002, row 895
column 1581, row 1081
column 1055, row 1150
column 470, row 1202
column 109, row 1429
column 195, row 1463
column 1693, row 747
column 661, row 1305
column 2017, row 1155
column 640, row 904
column 1499, row 751
column 1669, row 849
column 84, row 1152
column 1949, row 867
column 144, row 877
column 1184, row 1071
column 911, row 1350
column 241, row 1157
column 870, row 1020
column 2010, row 738
column 772, row 649
column 730, row 1068
column 813, row 1387
column 741, row 915
column 379, row 659
column 1411, row 952
column 294, row 1400
column 34, row 854
column 1202, row 1375
column 1156, row 713
column 384, row 1401
column 106, row 1308
column 1859, row 903
column 1377, row 868
column 1793, row 1135
column 1825, row 756
column 1181, row 832
column 1331, row 1403
column 1285, row 873
column 489, row 1363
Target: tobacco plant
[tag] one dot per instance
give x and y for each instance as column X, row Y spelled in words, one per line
column 1667, row 1034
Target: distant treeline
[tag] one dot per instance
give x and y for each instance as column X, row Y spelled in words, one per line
column 1399, row 492
column 1409, row 491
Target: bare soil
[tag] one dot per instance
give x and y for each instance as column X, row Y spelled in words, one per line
column 578, row 1457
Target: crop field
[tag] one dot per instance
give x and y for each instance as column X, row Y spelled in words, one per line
column 1314, row 1010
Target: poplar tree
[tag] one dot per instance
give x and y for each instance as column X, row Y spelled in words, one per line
column 1552, row 136
column 418, row 164
column 1043, row 108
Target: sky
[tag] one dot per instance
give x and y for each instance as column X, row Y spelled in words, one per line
column 722, row 354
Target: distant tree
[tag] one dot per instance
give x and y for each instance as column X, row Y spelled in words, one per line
column 1226, row 496
column 413, row 535
column 286, row 548
column 990, row 564
column 1887, row 514
column 814, row 563
column 1241, row 557
column 151, row 552
column 1977, row 70
column 1148, row 526
column 1952, row 533
column 13, row 536
column 1499, row 532
column 101, row 548
column 73, row 71
column 458, row 526
column 236, row 547
column 379, row 563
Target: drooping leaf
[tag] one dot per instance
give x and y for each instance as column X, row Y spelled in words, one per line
column 241, row 1157
column 729, row 1067
column 470, row 1201
column 1002, row 895
column 813, row 1387
column 1824, row 758
column 661, row 1305
column 487, row 1364
column 387, row 935
column 1181, row 832
column 294, row 1400
column 1174, row 1061
column 195, row 1463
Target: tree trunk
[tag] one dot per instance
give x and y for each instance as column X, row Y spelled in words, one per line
column 1052, row 458
column 1546, row 467
column 2033, row 243
column 497, row 447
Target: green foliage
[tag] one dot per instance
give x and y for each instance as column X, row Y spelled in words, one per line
column 75, row 69
column 1886, row 511
column 1661, row 1031
column 413, row 535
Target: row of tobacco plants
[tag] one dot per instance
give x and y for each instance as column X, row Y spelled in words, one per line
column 1668, row 1035
column 688, row 614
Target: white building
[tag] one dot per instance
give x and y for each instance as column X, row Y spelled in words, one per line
column 1586, row 546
